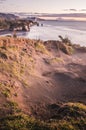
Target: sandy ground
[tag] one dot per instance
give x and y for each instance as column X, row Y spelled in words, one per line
column 52, row 81
column 56, row 82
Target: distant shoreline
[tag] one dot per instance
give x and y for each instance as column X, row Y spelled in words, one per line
column 75, row 31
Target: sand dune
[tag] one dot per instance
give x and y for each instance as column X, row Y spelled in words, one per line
column 36, row 74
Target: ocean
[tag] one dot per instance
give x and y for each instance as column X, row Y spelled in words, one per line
column 74, row 30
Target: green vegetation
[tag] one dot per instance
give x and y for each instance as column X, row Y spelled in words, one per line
column 57, row 59
column 71, row 116
column 66, row 45
column 17, row 63
column 54, row 60
column 3, row 55
column 78, row 106
column 21, row 122
column 65, row 119
column 5, row 89
column 67, row 49
column 18, row 24
column 65, row 40
column 6, row 92
column 4, row 24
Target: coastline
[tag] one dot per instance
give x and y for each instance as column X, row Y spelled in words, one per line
column 51, row 31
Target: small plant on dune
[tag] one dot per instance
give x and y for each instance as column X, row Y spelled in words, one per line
column 78, row 106
column 25, row 83
column 6, row 88
column 66, row 45
column 41, row 48
column 3, row 55
column 67, row 49
column 13, row 107
column 6, row 92
column 66, row 126
column 57, row 60
column 71, row 50
column 54, row 60
column 12, row 104
column 65, row 40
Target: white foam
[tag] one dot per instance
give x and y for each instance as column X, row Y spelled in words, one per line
column 52, row 32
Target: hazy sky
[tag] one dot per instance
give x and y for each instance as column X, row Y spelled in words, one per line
column 43, row 6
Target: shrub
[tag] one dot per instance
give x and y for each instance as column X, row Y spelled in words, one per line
column 3, row 55
column 65, row 40
column 41, row 48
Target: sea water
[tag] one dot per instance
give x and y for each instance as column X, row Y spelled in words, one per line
column 74, row 30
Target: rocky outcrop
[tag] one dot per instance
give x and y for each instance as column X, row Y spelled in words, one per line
column 6, row 16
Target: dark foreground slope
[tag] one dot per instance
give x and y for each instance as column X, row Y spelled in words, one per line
column 42, row 85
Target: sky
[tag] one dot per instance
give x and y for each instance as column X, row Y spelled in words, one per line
column 43, row 6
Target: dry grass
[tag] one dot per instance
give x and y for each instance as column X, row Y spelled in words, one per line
column 41, row 48
column 17, row 64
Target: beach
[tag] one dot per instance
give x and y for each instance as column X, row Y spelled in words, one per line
column 74, row 30
column 52, row 29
